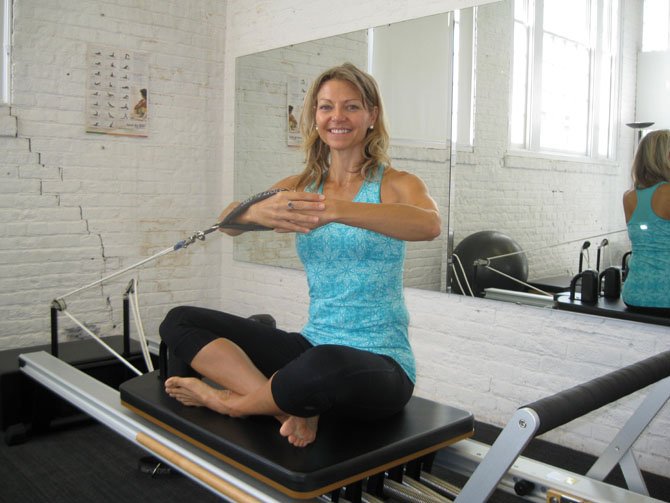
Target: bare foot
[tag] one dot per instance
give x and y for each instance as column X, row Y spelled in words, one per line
column 300, row 431
column 193, row 392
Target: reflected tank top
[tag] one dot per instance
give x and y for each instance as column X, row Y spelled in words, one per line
column 648, row 280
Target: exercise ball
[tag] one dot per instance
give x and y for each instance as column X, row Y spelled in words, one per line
column 484, row 245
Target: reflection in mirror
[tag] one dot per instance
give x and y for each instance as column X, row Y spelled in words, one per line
column 502, row 174
column 548, row 194
column 411, row 61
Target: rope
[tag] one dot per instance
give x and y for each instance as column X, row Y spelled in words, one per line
column 552, row 246
column 101, row 342
column 131, row 291
column 132, row 295
column 465, row 278
column 122, row 271
column 519, row 281
column 135, row 305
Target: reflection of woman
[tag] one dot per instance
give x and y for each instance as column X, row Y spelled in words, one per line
column 292, row 122
column 352, row 213
column 140, row 109
column 647, row 209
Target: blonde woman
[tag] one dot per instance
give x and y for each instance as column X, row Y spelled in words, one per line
column 352, row 213
column 647, row 210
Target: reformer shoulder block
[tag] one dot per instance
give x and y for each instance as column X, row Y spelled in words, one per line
column 343, row 453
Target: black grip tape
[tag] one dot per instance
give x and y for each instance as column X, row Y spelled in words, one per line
column 563, row 407
column 229, row 221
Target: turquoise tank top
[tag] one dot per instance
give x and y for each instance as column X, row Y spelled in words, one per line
column 355, row 279
column 648, row 281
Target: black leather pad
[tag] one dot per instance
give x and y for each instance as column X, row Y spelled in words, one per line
column 344, row 451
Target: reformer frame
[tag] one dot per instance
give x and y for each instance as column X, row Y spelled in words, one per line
column 413, row 438
column 551, row 412
column 502, row 461
column 487, row 468
column 102, row 403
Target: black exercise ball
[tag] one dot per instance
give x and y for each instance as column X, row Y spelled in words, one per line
column 484, row 245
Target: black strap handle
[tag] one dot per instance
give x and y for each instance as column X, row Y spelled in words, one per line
column 229, row 221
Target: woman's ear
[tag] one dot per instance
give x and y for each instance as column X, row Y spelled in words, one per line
column 374, row 114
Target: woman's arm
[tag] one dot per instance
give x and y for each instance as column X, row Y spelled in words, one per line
column 407, row 210
column 629, row 203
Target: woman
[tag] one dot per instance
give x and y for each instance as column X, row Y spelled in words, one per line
column 647, row 210
column 352, row 213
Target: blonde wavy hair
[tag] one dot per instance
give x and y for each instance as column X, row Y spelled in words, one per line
column 317, row 153
column 652, row 159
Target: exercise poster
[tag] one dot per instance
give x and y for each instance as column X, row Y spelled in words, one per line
column 117, row 91
column 296, row 89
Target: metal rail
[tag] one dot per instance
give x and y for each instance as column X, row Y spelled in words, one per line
column 466, row 456
column 103, row 404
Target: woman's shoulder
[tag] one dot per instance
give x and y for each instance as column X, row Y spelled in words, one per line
column 399, row 179
column 661, row 201
column 403, row 186
column 629, row 203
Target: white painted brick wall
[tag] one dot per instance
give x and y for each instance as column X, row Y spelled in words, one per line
column 79, row 206
column 486, row 356
column 7, row 122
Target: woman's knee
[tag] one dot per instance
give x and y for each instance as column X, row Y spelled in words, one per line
column 339, row 377
column 172, row 325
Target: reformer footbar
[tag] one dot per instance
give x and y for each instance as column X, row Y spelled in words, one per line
column 551, row 412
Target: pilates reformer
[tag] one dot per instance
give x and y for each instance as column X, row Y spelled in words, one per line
column 413, row 436
column 246, row 463
column 246, row 459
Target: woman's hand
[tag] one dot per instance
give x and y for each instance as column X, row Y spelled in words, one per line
column 288, row 211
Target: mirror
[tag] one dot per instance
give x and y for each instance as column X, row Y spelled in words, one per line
column 549, row 205
column 270, row 87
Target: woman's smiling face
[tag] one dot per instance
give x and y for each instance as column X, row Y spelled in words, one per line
column 341, row 116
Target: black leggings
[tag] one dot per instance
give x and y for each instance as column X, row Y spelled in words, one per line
column 308, row 380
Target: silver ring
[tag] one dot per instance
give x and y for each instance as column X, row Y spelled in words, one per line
column 290, row 205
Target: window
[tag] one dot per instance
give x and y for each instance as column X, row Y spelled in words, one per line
column 554, row 39
column 5, row 20
column 463, row 77
column 655, row 31
column 422, row 48
column 436, row 54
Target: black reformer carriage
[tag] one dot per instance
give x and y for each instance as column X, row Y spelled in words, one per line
column 344, row 454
